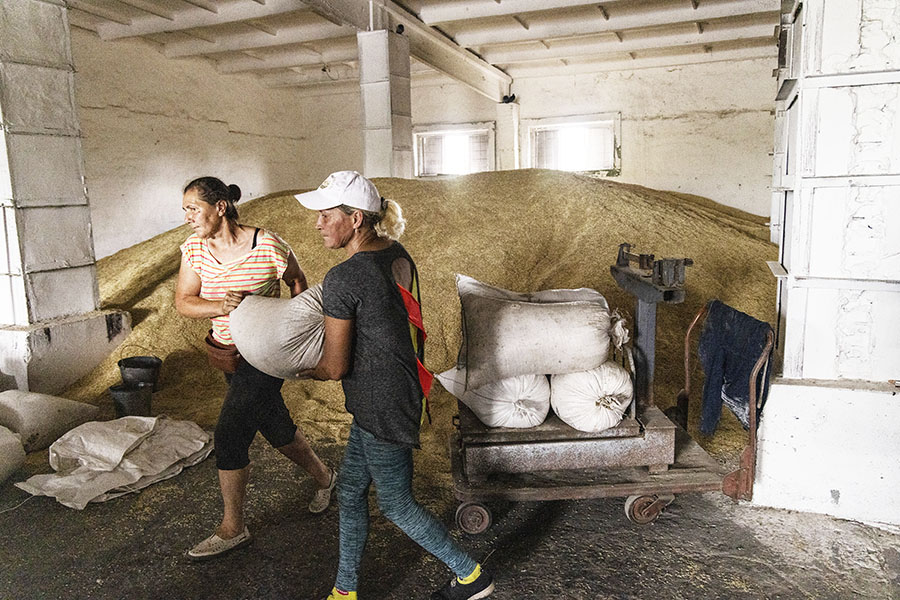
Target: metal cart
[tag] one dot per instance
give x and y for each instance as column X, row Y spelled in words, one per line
column 647, row 458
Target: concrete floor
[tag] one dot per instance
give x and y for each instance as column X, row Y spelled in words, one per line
column 703, row 546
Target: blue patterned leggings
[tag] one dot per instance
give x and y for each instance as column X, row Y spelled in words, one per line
column 390, row 467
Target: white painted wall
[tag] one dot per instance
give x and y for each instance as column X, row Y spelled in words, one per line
column 151, row 124
column 51, row 333
column 703, row 129
column 831, row 448
column 828, row 441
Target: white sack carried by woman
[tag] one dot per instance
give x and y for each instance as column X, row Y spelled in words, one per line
column 280, row 336
column 518, row 402
column 506, row 334
column 592, row 400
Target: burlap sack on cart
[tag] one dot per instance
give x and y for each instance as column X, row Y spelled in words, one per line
column 280, row 336
column 519, row 402
column 592, row 400
column 506, row 334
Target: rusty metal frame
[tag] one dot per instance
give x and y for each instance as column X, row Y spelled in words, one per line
column 738, row 484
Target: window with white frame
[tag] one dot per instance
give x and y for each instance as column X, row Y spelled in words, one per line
column 580, row 143
column 453, row 149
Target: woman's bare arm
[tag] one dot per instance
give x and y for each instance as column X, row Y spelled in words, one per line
column 188, row 301
column 335, row 361
column 293, row 276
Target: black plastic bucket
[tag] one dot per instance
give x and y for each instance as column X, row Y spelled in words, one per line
column 140, row 369
column 132, row 399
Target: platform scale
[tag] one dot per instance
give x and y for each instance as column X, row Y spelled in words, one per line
column 646, row 458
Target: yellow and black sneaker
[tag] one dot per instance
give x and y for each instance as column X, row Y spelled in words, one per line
column 479, row 584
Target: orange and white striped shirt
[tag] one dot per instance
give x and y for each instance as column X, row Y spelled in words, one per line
column 257, row 272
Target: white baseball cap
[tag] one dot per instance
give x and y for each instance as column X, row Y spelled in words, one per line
column 343, row 187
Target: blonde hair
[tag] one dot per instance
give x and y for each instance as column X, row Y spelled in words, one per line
column 388, row 223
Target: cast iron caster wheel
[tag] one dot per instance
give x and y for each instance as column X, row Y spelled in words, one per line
column 473, row 518
column 643, row 510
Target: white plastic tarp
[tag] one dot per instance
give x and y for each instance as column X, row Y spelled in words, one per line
column 98, row 461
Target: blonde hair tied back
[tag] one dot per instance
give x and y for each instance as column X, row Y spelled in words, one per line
column 389, row 223
column 392, row 224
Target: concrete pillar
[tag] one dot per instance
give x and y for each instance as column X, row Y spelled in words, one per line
column 829, row 439
column 507, row 136
column 51, row 332
column 386, row 103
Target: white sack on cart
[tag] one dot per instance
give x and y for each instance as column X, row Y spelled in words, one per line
column 12, row 454
column 280, row 336
column 506, row 334
column 40, row 418
column 467, row 286
column 520, row 402
column 99, row 461
column 592, row 400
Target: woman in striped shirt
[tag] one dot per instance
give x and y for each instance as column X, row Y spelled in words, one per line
column 222, row 262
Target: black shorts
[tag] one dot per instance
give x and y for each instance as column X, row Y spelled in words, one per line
column 253, row 403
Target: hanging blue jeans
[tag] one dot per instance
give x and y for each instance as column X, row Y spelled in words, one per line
column 390, row 467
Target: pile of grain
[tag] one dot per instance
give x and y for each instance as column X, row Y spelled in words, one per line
column 520, row 230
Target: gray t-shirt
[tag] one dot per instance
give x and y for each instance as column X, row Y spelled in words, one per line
column 382, row 389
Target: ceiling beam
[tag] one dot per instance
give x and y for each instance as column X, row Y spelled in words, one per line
column 99, row 11
column 198, row 34
column 204, row 4
column 345, row 51
column 149, row 8
column 425, row 43
column 343, row 12
column 441, row 53
column 625, row 18
column 82, row 20
column 332, row 88
column 313, row 76
column 631, row 42
column 260, row 26
column 479, row 9
column 255, row 40
column 198, row 17
column 687, row 56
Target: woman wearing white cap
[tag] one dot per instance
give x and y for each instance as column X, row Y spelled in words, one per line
column 370, row 301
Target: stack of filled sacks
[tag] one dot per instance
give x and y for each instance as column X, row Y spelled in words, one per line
column 512, row 342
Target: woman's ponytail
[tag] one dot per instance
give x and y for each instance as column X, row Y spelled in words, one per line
column 392, row 224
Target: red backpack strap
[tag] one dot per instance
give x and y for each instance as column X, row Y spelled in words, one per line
column 414, row 310
column 418, row 335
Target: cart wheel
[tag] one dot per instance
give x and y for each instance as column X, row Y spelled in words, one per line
column 473, row 518
column 643, row 510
